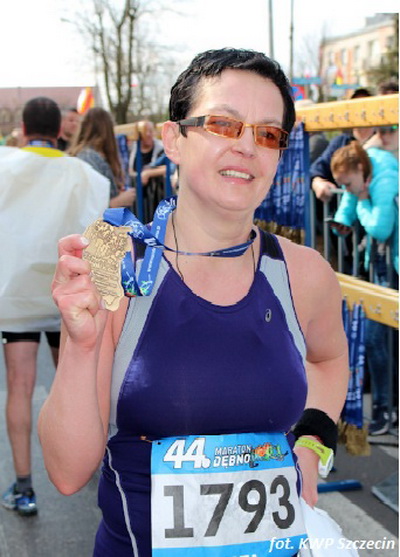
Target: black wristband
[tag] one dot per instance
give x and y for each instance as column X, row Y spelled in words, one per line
column 318, row 423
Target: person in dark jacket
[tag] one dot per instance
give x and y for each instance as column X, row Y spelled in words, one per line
column 322, row 181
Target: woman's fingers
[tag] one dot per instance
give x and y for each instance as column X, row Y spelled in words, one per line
column 68, row 267
column 72, row 245
column 77, row 283
column 74, row 293
column 82, row 317
column 73, row 304
column 70, row 263
column 73, row 290
column 80, row 306
column 73, row 279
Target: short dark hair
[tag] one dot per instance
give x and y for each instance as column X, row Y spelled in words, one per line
column 42, row 117
column 212, row 63
column 360, row 93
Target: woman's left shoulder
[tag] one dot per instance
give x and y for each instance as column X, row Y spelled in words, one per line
column 314, row 285
column 299, row 254
column 307, row 268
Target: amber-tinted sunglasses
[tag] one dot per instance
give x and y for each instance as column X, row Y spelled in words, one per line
column 264, row 135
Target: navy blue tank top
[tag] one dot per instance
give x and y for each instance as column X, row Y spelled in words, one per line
column 185, row 366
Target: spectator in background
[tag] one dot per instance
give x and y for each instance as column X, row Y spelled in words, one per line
column 96, row 144
column 152, row 177
column 389, row 139
column 389, row 87
column 371, row 182
column 56, row 195
column 16, row 138
column 386, row 137
column 69, row 126
column 322, row 181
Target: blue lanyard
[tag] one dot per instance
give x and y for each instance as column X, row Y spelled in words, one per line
column 153, row 238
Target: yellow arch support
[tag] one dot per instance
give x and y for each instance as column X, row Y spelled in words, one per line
column 382, row 110
column 379, row 303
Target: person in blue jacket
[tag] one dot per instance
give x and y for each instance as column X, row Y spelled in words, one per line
column 371, row 181
column 323, row 183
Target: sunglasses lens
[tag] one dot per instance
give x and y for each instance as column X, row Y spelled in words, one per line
column 226, row 127
column 265, row 136
column 268, row 136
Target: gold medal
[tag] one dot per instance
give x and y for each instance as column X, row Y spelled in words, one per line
column 108, row 245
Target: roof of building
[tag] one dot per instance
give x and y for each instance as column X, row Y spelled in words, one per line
column 371, row 23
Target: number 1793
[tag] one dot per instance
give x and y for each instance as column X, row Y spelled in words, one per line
column 249, row 491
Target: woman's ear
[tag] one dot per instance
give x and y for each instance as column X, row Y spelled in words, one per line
column 170, row 135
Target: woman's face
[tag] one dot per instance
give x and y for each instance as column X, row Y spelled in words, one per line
column 234, row 174
column 147, row 135
column 70, row 124
column 389, row 135
column 352, row 180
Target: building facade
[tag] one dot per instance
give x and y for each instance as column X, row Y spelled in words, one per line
column 346, row 60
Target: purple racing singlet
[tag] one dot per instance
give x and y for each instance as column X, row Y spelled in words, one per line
column 185, row 366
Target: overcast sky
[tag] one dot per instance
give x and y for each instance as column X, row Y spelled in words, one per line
column 37, row 48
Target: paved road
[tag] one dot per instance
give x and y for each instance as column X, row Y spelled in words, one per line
column 65, row 526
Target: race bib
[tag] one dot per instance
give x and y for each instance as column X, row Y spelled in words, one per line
column 225, row 496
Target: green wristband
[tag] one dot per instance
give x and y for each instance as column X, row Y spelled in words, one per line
column 325, row 454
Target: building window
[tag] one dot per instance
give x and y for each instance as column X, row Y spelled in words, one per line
column 5, row 116
column 390, row 42
column 343, row 56
column 357, row 51
column 373, row 52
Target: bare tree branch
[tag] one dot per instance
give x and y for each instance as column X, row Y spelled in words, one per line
column 112, row 29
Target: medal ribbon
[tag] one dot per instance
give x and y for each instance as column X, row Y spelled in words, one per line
column 153, row 237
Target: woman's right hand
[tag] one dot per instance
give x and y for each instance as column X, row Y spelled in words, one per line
column 323, row 189
column 75, row 295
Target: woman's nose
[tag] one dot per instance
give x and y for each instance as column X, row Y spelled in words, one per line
column 246, row 144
